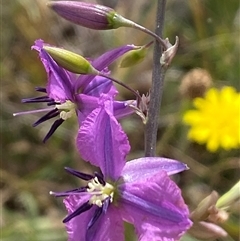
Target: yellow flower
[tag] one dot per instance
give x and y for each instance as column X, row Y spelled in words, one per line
column 216, row 120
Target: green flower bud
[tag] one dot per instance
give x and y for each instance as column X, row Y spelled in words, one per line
column 70, row 61
column 202, row 210
column 133, row 57
column 229, row 197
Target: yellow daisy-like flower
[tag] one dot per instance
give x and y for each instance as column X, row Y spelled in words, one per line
column 216, row 120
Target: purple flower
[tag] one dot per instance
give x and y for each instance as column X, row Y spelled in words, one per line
column 139, row 191
column 68, row 94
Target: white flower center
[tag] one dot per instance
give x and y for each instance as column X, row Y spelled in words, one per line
column 68, row 109
column 99, row 192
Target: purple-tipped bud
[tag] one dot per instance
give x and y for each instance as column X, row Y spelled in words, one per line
column 71, row 61
column 90, row 15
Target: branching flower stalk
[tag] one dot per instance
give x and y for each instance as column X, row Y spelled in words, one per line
column 139, row 191
column 157, row 86
column 160, row 41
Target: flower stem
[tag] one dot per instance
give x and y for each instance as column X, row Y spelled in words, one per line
column 138, row 97
column 157, row 86
column 149, row 32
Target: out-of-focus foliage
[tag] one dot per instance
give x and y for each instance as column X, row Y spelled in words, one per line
column 209, row 39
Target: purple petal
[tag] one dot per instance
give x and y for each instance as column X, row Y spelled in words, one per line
column 77, row 227
column 78, row 174
column 86, row 104
column 155, row 207
column 101, row 63
column 122, row 109
column 78, row 211
column 100, row 85
column 102, row 142
column 146, row 167
column 59, row 85
column 108, row 226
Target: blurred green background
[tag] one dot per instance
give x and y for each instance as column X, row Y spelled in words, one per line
column 209, row 39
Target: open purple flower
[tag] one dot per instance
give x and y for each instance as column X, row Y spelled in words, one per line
column 68, row 94
column 139, row 191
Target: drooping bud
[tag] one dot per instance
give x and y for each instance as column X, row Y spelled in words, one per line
column 70, row 61
column 134, row 57
column 90, row 15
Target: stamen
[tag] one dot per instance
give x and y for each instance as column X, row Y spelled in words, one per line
column 41, row 89
column 69, row 192
column 55, row 125
column 68, row 109
column 81, row 175
column 37, row 99
column 86, row 206
column 51, row 114
column 66, row 115
column 33, row 111
column 100, row 192
column 100, row 178
column 52, row 103
column 67, row 105
column 95, row 217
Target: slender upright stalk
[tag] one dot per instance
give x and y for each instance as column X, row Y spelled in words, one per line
column 157, row 86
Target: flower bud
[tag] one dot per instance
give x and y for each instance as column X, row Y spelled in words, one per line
column 133, row 57
column 89, row 15
column 202, row 210
column 229, row 197
column 70, row 61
